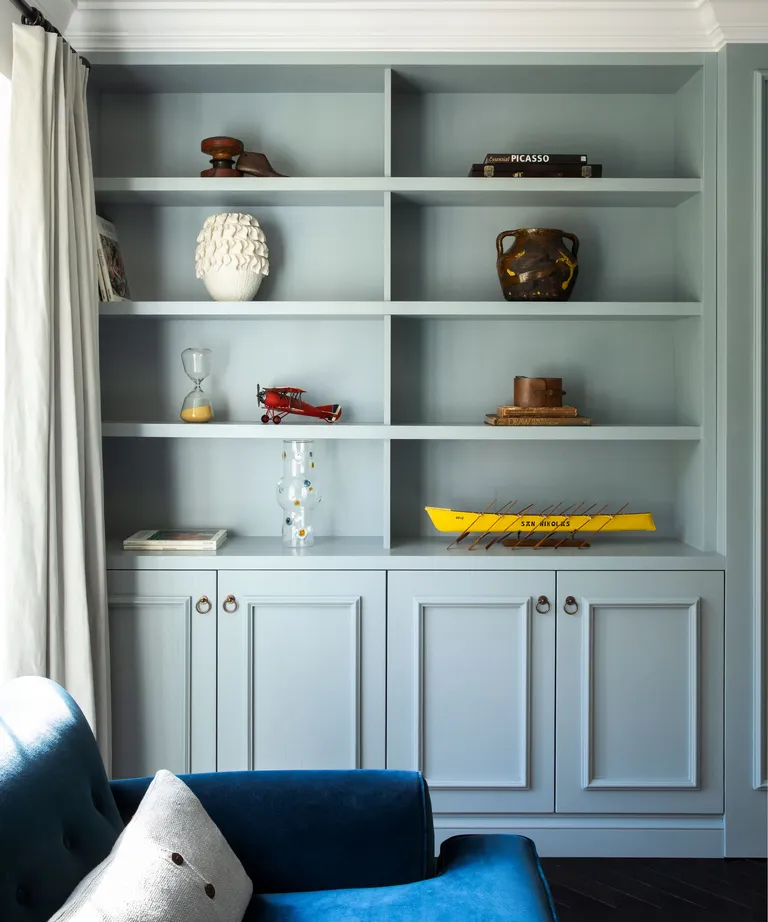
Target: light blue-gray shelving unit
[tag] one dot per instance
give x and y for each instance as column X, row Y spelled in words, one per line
column 383, row 294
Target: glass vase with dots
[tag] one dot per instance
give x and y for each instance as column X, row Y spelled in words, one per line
column 297, row 493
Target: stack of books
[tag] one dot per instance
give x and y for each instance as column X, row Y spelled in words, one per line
column 536, row 416
column 537, row 166
column 113, row 284
column 197, row 539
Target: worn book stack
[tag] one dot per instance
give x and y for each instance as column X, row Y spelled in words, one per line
column 539, row 166
column 113, row 284
column 536, row 416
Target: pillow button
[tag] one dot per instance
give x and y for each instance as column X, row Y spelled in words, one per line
column 176, row 858
column 21, row 896
column 210, row 890
column 66, row 842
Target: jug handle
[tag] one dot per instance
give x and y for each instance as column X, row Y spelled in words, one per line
column 502, row 235
column 574, row 242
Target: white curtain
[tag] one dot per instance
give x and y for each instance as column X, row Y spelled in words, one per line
column 53, row 618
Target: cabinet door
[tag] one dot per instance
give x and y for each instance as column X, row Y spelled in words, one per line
column 301, row 670
column 163, row 659
column 470, row 690
column 640, row 693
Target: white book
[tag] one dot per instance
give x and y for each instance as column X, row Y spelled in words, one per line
column 176, row 539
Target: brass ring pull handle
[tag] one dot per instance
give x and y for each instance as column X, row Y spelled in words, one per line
column 203, row 605
column 570, row 606
column 230, row 605
column 543, row 605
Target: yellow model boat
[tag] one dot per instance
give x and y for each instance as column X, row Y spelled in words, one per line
column 451, row 521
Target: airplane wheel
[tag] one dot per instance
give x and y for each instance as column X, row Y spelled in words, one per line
column 265, row 418
column 276, row 419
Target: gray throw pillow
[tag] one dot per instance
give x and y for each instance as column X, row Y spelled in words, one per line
column 170, row 864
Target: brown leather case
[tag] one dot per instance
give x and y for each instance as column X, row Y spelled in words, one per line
column 538, row 392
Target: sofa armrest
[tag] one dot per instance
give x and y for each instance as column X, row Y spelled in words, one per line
column 502, row 871
column 314, row 830
column 482, row 878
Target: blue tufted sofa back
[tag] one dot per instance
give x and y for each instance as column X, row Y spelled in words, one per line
column 58, row 818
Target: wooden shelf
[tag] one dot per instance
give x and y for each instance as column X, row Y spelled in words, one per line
column 473, row 432
column 365, row 553
column 562, row 193
column 171, row 190
column 471, row 310
column 352, row 191
column 483, row 432
column 240, row 310
column 231, row 430
column 525, row 310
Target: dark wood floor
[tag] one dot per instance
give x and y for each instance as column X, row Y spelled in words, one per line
column 657, row 889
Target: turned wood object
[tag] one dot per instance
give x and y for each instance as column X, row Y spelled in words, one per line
column 222, row 152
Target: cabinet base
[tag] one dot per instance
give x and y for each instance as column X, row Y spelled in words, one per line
column 598, row 837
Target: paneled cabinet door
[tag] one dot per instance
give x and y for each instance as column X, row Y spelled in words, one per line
column 640, row 692
column 470, row 687
column 301, row 669
column 163, row 657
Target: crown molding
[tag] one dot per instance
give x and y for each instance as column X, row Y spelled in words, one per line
column 415, row 25
column 58, row 12
column 744, row 21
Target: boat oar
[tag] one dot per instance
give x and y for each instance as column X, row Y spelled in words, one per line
column 541, row 515
column 564, row 514
column 609, row 519
column 477, row 518
column 588, row 520
column 499, row 516
column 507, row 530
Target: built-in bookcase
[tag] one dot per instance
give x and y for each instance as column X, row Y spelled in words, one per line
column 383, row 293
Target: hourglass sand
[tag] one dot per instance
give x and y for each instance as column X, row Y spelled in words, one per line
column 196, row 407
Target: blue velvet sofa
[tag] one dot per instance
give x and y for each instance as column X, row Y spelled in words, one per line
column 321, row 846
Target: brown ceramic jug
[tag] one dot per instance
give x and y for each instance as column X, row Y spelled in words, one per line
column 538, row 266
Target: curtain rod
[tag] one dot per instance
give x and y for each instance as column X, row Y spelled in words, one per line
column 31, row 16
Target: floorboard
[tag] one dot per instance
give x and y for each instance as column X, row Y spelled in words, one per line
column 658, row 889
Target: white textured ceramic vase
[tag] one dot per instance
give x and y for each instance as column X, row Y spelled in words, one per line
column 232, row 283
column 232, row 256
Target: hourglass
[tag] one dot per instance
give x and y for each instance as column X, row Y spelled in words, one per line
column 196, row 407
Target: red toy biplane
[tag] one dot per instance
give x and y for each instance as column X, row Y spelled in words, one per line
column 280, row 401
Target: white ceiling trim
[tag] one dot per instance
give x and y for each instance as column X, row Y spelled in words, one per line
column 59, row 12
column 416, row 25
